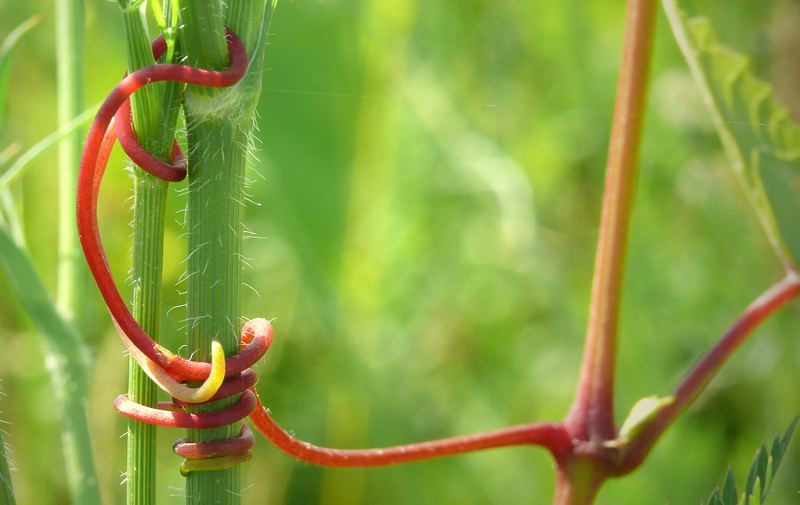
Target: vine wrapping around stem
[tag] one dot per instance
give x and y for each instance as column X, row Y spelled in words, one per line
column 113, row 121
column 563, row 440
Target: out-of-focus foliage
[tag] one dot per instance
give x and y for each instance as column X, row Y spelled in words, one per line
column 428, row 196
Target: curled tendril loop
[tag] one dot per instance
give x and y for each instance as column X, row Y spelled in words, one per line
column 224, row 377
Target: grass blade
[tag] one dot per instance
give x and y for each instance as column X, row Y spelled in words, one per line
column 67, row 360
column 729, row 493
column 6, row 48
column 16, row 170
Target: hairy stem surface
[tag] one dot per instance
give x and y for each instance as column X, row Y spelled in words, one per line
column 219, row 125
column 154, row 111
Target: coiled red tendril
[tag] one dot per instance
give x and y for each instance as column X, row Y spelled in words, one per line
column 113, row 121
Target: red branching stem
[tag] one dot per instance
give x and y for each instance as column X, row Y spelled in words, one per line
column 113, row 121
column 696, row 380
column 552, row 436
column 591, row 417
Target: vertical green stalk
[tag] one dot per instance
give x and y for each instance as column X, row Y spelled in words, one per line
column 69, row 57
column 219, row 125
column 79, row 462
column 154, row 110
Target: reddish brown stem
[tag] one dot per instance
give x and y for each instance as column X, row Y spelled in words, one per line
column 552, row 436
column 696, row 380
column 591, row 416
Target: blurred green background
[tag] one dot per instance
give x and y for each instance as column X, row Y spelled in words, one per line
column 426, row 203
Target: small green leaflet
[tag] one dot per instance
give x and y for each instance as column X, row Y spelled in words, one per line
column 759, row 138
column 759, row 478
column 643, row 411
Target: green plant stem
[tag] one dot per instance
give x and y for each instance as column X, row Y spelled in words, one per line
column 69, row 57
column 81, row 473
column 219, row 125
column 592, row 414
column 577, row 485
column 154, row 110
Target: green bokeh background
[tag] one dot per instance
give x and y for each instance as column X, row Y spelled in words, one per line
column 426, row 200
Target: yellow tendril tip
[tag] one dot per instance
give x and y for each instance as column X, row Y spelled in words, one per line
column 177, row 390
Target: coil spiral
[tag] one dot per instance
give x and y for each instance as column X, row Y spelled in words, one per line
column 225, row 377
column 114, row 122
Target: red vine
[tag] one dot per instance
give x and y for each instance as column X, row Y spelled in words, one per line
column 113, row 121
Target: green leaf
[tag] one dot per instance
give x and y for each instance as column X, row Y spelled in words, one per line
column 5, row 61
column 715, row 499
column 757, row 474
column 729, row 493
column 787, row 436
column 781, row 182
column 776, row 456
column 643, row 411
column 166, row 17
column 757, row 134
column 761, row 463
column 779, row 448
column 23, row 162
column 762, row 472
